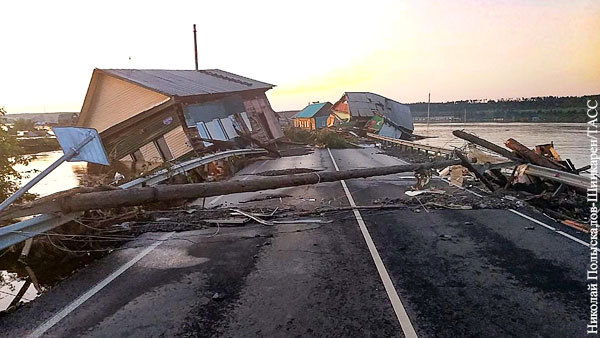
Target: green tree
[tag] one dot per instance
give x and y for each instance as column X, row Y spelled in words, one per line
column 10, row 155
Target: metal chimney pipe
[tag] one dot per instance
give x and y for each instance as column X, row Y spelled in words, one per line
column 195, row 48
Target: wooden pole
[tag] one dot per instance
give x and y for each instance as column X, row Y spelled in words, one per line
column 161, row 193
column 195, row 48
column 530, row 155
column 486, row 144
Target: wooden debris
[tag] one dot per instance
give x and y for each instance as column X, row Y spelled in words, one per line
column 468, row 165
column 530, row 155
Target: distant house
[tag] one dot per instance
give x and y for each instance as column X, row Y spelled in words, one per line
column 374, row 113
column 286, row 118
column 314, row 116
column 160, row 115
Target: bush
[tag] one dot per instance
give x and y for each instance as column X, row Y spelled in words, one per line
column 331, row 139
column 299, row 135
column 10, row 155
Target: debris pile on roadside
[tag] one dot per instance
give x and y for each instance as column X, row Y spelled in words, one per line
column 538, row 176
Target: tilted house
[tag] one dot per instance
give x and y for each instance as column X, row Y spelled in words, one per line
column 313, row 117
column 160, row 115
column 374, row 113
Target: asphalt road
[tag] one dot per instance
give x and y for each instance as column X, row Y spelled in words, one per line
column 467, row 273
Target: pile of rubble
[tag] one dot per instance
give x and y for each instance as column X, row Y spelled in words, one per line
column 539, row 176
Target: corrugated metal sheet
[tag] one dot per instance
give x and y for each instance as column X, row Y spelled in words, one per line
column 366, row 104
column 188, row 82
column 389, row 131
column 177, row 142
column 150, row 153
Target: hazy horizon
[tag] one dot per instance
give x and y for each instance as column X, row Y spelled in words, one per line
column 332, row 101
column 312, row 51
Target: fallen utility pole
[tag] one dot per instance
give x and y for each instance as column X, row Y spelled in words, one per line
column 139, row 196
column 486, row 144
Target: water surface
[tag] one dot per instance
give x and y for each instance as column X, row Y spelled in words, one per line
column 570, row 140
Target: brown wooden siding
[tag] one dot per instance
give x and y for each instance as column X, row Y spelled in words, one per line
column 150, row 153
column 258, row 104
column 114, row 101
column 146, row 130
column 178, row 142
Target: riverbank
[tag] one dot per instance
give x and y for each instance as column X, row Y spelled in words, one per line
column 37, row 145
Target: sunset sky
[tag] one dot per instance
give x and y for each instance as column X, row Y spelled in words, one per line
column 312, row 50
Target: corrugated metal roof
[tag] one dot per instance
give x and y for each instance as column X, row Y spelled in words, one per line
column 311, row 110
column 364, row 104
column 188, row 82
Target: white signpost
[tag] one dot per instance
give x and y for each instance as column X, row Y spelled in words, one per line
column 78, row 144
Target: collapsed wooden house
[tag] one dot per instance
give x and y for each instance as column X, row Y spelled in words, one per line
column 160, row 115
column 373, row 113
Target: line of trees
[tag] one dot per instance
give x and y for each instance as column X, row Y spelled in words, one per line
column 543, row 109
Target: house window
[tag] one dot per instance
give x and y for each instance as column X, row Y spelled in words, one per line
column 203, row 132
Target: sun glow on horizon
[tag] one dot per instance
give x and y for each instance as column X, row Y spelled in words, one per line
column 312, row 51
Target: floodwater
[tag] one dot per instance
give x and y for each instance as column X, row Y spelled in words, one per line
column 66, row 176
column 570, row 140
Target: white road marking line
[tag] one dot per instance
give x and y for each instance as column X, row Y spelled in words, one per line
column 407, row 328
column 551, row 228
column 77, row 302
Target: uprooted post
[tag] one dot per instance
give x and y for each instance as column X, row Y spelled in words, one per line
column 139, row 196
column 486, row 144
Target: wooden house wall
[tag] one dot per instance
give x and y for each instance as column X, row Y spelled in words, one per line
column 259, row 111
column 178, row 142
column 143, row 131
column 114, row 101
column 150, row 153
